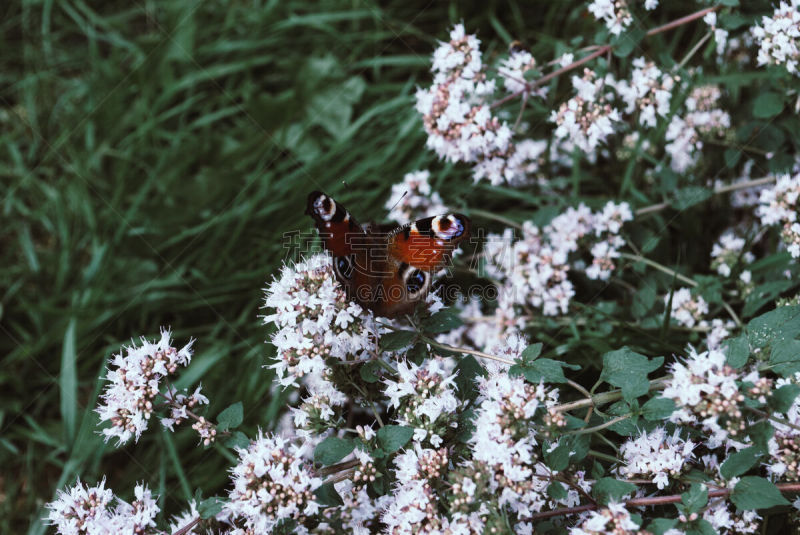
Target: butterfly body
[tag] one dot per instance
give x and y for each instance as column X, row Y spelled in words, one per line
column 385, row 270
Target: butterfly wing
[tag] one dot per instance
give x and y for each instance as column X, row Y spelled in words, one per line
column 348, row 243
column 414, row 253
column 387, row 272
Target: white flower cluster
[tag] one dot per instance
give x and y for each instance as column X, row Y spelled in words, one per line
column 315, row 320
column 784, row 446
column 412, row 507
column 460, row 125
column 413, row 199
column 506, row 439
column 271, row 483
column 513, row 69
column 686, row 309
column 614, row 13
column 530, row 270
column 614, row 518
column 358, row 514
column 656, row 456
column 88, row 510
column 705, row 391
column 720, row 35
column 425, row 399
column 135, row 379
column 317, row 413
column 778, row 37
column 649, row 92
column 723, row 515
column 459, row 121
column 728, row 252
column 780, row 205
column 588, row 118
column 702, row 119
column 533, row 270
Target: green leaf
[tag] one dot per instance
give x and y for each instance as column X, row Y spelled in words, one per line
column 558, row 458
column 547, row 370
column 643, row 300
column 627, row 42
column 68, row 382
column 701, row 526
column 660, row 525
column 609, row 489
column 760, row 434
column 737, row 351
column 332, row 450
column 709, row 287
column 468, row 370
column 732, row 157
column 231, row 417
column 657, row 409
column 368, row 371
column 531, row 353
column 763, row 294
column 332, row 108
column 627, row 370
column 396, row 340
column 785, row 357
column 443, row 321
column 695, row 498
column 729, row 3
column 732, row 21
column 556, row 491
column 210, row 507
column 327, row 496
column 740, row 462
column 780, row 324
column 237, row 440
column 756, row 493
column 689, row 196
column 767, row 104
column 393, row 437
column 782, row 398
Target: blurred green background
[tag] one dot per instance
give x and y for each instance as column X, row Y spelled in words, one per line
column 152, row 155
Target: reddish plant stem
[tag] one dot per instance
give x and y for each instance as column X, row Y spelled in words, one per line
column 188, row 527
column 655, row 500
column 599, row 52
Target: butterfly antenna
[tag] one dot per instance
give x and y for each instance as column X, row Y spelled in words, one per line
column 398, row 200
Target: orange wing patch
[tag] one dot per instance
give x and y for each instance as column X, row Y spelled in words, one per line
column 427, row 243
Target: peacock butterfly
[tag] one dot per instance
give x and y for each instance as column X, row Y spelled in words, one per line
column 385, row 269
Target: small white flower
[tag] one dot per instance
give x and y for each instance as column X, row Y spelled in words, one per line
column 778, row 37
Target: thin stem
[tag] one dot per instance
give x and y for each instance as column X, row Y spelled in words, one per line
column 660, row 267
column 604, row 456
column 600, row 427
column 717, row 191
column 693, row 51
column 579, row 388
column 332, row 469
column 682, row 278
column 606, row 397
column 776, row 419
column 599, row 52
column 188, row 527
column 644, row 502
column 465, row 350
